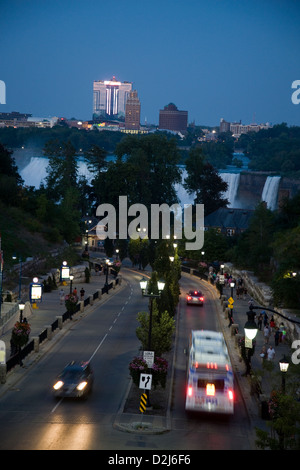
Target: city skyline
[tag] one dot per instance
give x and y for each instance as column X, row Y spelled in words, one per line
column 235, row 60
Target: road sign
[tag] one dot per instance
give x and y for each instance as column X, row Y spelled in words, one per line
column 145, row 381
column 143, row 402
column 230, row 300
column 148, row 356
column 230, row 306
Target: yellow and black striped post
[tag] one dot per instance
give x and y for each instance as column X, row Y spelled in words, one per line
column 143, row 402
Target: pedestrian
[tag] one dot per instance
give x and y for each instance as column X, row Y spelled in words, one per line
column 259, row 321
column 266, row 333
column 75, row 291
column 263, row 354
column 277, row 336
column 61, row 296
column 230, row 318
column 272, row 324
column 265, row 317
column 82, row 292
column 270, row 353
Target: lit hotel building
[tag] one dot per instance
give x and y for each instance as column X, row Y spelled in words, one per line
column 110, row 98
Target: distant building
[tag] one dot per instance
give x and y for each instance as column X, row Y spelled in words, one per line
column 170, row 118
column 132, row 112
column 224, row 126
column 110, row 98
column 16, row 119
column 14, row 115
column 237, row 128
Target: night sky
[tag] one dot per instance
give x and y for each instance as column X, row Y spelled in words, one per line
column 235, row 60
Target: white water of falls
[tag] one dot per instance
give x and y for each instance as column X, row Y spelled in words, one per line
column 35, row 172
column 270, row 191
column 183, row 196
column 233, row 181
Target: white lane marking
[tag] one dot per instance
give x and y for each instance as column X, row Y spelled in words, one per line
column 98, row 347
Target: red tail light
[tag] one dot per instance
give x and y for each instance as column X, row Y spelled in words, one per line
column 230, row 394
column 201, row 298
column 190, row 391
column 189, row 298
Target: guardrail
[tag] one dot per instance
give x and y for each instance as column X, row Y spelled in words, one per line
column 30, row 346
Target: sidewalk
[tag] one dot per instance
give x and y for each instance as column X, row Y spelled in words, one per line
column 51, row 307
column 267, row 379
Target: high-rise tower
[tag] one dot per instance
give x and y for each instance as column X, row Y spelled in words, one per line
column 132, row 111
column 110, row 98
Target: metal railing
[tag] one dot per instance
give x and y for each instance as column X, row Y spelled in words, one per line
column 20, row 355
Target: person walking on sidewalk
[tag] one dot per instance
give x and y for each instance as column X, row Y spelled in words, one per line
column 270, row 353
column 267, row 333
column 61, row 296
column 82, row 292
column 277, row 336
column 259, row 321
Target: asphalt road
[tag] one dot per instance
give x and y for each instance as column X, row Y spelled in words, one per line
column 30, row 418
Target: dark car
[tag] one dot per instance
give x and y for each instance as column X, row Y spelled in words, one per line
column 194, row 297
column 75, row 381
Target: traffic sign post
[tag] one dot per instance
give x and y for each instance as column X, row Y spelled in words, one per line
column 143, row 403
column 148, row 357
column 145, row 381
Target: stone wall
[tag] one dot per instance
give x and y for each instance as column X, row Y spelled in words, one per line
column 262, row 294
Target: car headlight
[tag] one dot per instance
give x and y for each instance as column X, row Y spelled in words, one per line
column 58, row 385
column 81, row 386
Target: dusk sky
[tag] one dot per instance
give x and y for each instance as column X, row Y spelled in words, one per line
column 231, row 59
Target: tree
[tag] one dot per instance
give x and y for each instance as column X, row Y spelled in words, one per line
column 284, row 424
column 10, row 180
column 163, row 326
column 62, row 170
column 203, row 180
column 96, row 159
column 155, row 161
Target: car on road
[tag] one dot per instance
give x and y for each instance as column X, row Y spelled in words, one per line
column 194, row 297
column 75, row 381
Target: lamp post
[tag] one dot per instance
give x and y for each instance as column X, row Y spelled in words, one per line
column 71, row 277
column 221, row 280
column 20, row 275
column 21, row 308
column 160, row 286
column 232, row 284
column 284, row 365
column 106, row 279
column 250, row 329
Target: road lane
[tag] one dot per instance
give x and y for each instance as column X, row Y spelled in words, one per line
column 28, row 419
column 107, row 336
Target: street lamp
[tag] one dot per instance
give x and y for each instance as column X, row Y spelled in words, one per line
column 251, row 330
column 106, row 279
column 232, row 284
column 20, row 275
column 71, row 277
column 21, row 308
column 284, row 365
column 160, row 286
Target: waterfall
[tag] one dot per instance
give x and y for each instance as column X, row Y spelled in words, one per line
column 35, row 172
column 233, row 181
column 183, row 196
column 270, row 191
